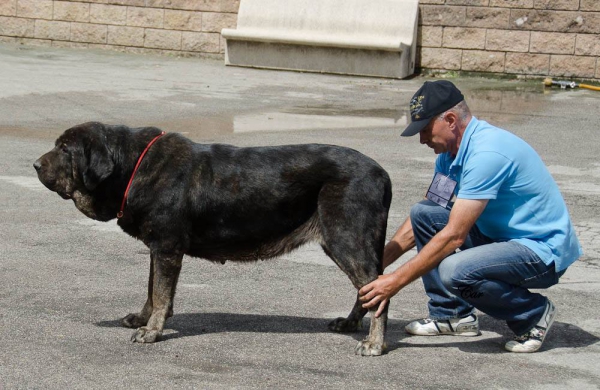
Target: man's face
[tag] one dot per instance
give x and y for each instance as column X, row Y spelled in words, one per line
column 438, row 135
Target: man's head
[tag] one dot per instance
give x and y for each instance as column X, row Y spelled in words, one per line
column 439, row 114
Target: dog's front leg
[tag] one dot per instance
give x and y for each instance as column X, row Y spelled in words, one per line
column 161, row 291
column 133, row 320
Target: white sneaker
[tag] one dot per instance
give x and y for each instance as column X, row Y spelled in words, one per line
column 532, row 340
column 466, row 326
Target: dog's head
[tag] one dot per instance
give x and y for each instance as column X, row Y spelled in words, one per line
column 79, row 162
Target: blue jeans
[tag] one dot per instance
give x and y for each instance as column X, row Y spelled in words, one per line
column 493, row 277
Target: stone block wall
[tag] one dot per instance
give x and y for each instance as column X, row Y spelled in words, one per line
column 187, row 27
column 522, row 37
column 519, row 37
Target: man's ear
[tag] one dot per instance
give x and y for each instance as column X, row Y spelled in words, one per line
column 451, row 119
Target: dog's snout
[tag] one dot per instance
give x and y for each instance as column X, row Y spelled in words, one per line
column 37, row 165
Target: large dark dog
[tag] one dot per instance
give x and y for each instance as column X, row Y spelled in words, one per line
column 220, row 202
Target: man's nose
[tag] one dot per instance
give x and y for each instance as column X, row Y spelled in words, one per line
column 37, row 165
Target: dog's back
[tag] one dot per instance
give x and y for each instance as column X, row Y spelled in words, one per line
column 252, row 203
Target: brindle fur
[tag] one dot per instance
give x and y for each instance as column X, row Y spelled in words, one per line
column 220, row 202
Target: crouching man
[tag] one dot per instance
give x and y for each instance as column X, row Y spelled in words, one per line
column 493, row 226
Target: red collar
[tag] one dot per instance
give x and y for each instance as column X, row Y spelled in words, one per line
column 120, row 213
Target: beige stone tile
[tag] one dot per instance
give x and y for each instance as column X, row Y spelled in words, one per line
column 90, row 33
column 38, row 9
column 464, row 38
column 202, row 42
column 125, row 36
column 73, row 12
column 51, row 29
column 552, row 43
column 483, row 61
column 507, row 40
column 525, row 63
column 8, row 7
column 17, row 27
column 145, row 17
column 163, row 39
column 108, row 14
column 572, row 66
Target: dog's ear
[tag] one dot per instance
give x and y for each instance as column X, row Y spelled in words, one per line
column 99, row 165
column 93, row 160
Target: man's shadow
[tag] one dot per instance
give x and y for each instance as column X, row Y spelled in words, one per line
column 562, row 335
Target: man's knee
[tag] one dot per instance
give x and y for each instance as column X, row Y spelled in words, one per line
column 449, row 276
column 453, row 274
column 428, row 215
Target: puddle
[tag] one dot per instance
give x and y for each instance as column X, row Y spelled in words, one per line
column 281, row 121
column 327, row 117
column 305, row 108
column 196, row 128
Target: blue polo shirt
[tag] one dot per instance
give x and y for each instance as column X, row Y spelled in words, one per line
column 525, row 204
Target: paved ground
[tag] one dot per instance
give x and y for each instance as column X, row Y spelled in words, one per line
column 66, row 280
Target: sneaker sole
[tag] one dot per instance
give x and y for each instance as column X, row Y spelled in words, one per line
column 464, row 334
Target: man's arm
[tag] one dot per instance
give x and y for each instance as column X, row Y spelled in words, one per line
column 402, row 242
column 462, row 218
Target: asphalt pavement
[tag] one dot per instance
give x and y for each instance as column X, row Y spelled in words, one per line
column 65, row 280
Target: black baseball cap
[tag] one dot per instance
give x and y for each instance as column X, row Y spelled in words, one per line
column 433, row 98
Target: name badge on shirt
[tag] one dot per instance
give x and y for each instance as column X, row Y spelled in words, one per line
column 441, row 189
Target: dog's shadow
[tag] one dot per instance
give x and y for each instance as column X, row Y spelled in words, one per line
column 195, row 324
column 562, row 335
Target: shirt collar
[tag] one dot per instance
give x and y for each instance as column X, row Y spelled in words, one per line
column 464, row 144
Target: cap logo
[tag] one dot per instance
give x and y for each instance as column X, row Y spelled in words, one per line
column 416, row 106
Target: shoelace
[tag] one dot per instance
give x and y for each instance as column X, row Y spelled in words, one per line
column 535, row 333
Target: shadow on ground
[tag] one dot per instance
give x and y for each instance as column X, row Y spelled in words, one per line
column 562, row 335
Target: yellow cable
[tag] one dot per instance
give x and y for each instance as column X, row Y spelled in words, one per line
column 592, row 87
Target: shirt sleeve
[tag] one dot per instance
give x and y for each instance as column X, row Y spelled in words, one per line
column 483, row 175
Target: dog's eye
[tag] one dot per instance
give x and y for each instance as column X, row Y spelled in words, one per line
column 63, row 148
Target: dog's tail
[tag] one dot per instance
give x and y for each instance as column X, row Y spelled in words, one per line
column 386, row 202
column 387, row 194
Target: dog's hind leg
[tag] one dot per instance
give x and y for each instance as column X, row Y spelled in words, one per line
column 374, row 344
column 353, row 220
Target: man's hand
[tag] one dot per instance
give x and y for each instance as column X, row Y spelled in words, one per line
column 462, row 218
column 379, row 292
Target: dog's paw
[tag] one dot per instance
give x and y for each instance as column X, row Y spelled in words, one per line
column 133, row 321
column 368, row 348
column 146, row 335
column 343, row 325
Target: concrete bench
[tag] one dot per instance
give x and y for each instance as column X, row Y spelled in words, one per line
column 359, row 37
